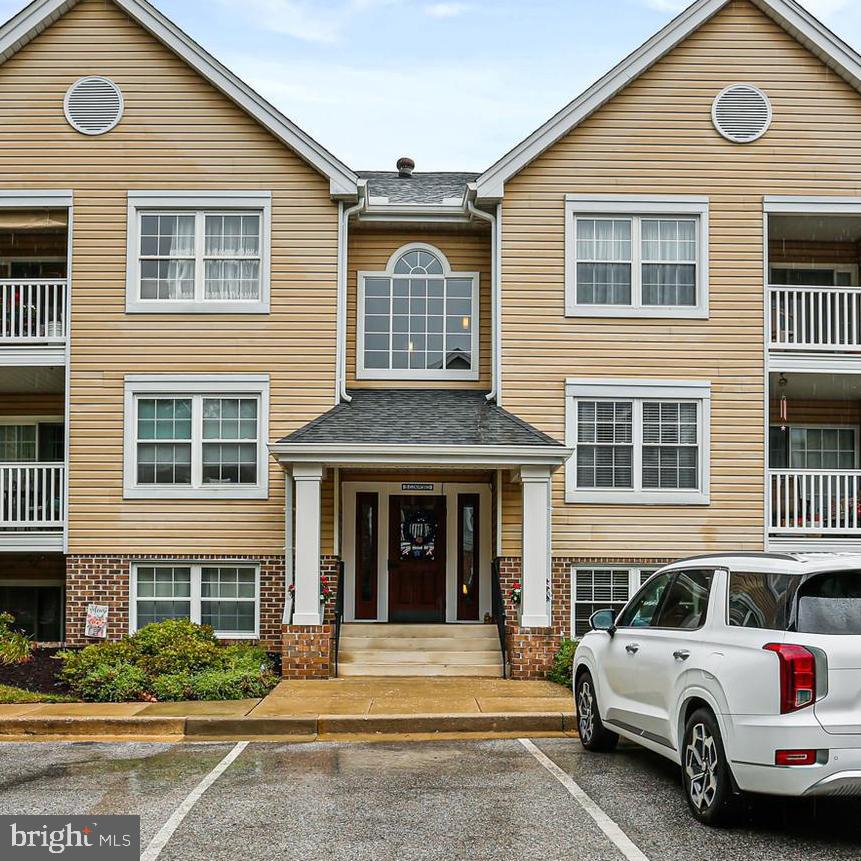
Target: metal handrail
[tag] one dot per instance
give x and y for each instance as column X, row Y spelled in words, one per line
column 339, row 612
column 498, row 606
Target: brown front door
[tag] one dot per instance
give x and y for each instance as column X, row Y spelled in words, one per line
column 416, row 558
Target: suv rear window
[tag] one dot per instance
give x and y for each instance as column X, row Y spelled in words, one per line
column 761, row 600
column 830, row 604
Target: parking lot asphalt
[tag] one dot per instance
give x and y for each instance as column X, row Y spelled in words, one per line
column 417, row 801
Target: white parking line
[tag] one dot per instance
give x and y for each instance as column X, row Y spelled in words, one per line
column 161, row 839
column 614, row 833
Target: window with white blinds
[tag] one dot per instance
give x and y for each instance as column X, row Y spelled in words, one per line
column 638, row 441
column 595, row 589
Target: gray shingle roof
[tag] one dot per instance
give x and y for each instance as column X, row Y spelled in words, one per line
column 418, row 188
column 420, row 417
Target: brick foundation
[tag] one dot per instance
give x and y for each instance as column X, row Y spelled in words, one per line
column 308, row 651
column 530, row 651
column 105, row 580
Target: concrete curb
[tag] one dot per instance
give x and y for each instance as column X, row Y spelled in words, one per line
column 288, row 727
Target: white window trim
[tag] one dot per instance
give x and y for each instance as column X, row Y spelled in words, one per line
column 628, row 205
column 638, row 390
column 195, row 599
column 635, row 583
column 813, row 426
column 139, row 202
column 407, row 373
column 216, row 385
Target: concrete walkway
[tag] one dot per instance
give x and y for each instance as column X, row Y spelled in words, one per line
column 382, row 708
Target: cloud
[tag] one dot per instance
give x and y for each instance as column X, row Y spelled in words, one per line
column 446, row 10
column 319, row 21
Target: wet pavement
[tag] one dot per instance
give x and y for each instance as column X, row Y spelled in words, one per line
column 433, row 801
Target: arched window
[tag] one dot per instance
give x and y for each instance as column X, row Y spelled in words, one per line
column 418, row 319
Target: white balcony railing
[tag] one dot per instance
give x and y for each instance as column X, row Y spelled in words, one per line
column 815, row 318
column 33, row 311
column 32, row 497
column 814, row 502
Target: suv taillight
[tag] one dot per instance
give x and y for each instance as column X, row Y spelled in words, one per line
column 797, row 676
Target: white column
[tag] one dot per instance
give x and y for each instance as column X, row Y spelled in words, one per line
column 308, row 478
column 534, row 607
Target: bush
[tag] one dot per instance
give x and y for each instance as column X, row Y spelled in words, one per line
column 168, row 661
column 15, row 647
column 563, row 664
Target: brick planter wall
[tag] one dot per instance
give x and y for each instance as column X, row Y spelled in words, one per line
column 530, row 651
column 308, row 651
column 105, row 580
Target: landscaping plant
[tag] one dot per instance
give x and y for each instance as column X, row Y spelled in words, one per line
column 15, row 647
column 563, row 664
column 168, row 661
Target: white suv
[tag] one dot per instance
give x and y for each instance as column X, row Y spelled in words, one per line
column 744, row 669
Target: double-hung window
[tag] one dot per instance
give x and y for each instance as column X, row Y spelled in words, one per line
column 224, row 595
column 602, row 588
column 196, row 437
column 636, row 256
column 197, row 252
column 418, row 319
column 638, row 441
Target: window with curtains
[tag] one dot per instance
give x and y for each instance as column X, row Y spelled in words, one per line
column 188, row 439
column 418, row 319
column 632, row 257
column 197, row 252
column 638, row 441
column 223, row 595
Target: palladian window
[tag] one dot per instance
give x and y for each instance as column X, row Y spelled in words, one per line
column 418, row 319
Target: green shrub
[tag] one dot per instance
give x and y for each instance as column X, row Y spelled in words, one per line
column 15, row 647
column 563, row 664
column 168, row 661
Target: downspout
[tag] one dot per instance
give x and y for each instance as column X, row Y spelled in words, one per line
column 496, row 304
column 341, row 338
column 288, row 547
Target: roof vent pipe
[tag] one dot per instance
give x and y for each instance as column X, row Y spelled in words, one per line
column 406, row 166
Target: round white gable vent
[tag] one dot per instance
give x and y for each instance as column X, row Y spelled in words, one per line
column 741, row 113
column 93, row 106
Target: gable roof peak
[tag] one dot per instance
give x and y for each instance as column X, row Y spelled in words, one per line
column 788, row 14
column 21, row 29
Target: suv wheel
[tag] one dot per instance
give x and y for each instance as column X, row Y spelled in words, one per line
column 594, row 735
column 705, row 771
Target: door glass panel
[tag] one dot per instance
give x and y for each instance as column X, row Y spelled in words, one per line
column 644, row 607
column 367, row 538
column 37, row 610
column 687, row 601
column 418, row 530
column 468, row 552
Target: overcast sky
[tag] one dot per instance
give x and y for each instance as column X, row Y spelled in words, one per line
column 452, row 84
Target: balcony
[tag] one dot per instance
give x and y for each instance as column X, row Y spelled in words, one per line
column 805, row 503
column 32, row 505
column 826, row 319
column 33, row 312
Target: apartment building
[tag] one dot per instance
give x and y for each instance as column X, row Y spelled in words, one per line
column 230, row 365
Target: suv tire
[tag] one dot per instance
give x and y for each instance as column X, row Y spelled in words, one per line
column 709, row 787
column 594, row 736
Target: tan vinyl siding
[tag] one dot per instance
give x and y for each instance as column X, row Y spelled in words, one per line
column 656, row 137
column 178, row 132
column 37, row 404
column 467, row 251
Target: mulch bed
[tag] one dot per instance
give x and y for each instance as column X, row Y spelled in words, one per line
column 38, row 675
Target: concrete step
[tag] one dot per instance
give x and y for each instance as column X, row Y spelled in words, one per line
column 429, row 658
column 383, row 629
column 435, row 644
column 470, row 670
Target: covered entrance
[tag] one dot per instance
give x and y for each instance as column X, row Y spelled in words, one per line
column 416, row 551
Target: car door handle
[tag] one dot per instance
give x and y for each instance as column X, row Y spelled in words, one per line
column 632, row 648
column 681, row 655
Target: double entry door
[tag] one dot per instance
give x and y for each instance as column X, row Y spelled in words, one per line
column 413, row 544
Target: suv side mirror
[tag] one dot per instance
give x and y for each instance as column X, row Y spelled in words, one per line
column 603, row 620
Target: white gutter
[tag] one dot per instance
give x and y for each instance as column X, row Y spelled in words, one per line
column 496, row 297
column 341, row 337
column 288, row 546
